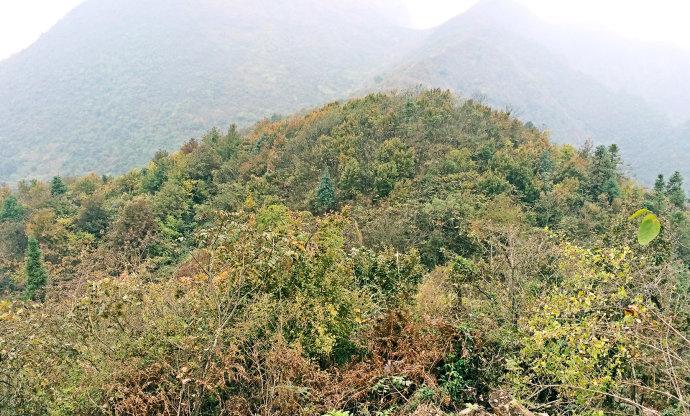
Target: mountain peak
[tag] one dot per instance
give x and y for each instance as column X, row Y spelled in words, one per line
column 505, row 12
column 499, row 5
column 492, row 14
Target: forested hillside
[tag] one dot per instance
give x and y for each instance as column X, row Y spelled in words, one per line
column 399, row 254
column 656, row 72
column 499, row 52
column 115, row 81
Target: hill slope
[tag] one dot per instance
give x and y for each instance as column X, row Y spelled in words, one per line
column 116, row 80
column 397, row 254
column 657, row 72
column 494, row 51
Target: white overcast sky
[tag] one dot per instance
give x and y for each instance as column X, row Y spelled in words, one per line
column 23, row 21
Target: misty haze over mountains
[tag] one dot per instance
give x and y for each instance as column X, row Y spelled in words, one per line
column 114, row 81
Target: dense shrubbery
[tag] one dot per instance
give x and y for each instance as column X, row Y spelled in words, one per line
column 388, row 255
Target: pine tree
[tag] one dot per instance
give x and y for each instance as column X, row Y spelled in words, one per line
column 611, row 188
column 674, row 190
column 57, row 186
column 604, row 174
column 660, row 185
column 657, row 202
column 325, row 195
column 615, row 156
column 546, row 167
column 11, row 210
column 35, row 273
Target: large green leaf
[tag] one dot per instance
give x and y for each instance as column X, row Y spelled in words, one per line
column 639, row 213
column 649, row 229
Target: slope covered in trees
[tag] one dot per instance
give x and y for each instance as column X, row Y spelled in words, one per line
column 657, row 72
column 398, row 254
column 115, row 81
column 500, row 52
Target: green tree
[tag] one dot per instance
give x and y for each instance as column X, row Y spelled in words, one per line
column 326, row 200
column 546, row 168
column 604, row 174
column 12, row 210
column 674, row 190
column 352, row 178
column 660, row 185
column 35, row 273
column 93, row 217
column 611, row 188
column 657, row 201
column 394, row 161
column 134, row 234
column 154, row 176
column 57, row 186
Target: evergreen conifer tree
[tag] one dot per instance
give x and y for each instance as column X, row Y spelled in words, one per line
column 546, row 167
column 611, row 188
column 57, row 186
column 604, row 172
column 11, row 210
column 325, row 195
column 660, row 185
column 657, row 201
column 675, row 191
column 35, row 273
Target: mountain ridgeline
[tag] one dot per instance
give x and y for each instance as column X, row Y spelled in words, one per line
column 404, row 254
column 115, row 81
column 500, row 54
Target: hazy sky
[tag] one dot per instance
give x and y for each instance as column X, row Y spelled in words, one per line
column 655, row 20
column 23, row 21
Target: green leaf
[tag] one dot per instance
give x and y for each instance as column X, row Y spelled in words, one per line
column 649, row 229
column 639, row 213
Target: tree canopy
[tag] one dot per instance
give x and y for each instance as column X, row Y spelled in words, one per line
column 399, row 253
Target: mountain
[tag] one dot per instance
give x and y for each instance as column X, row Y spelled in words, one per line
column 657, row 72
column 500, row 53
column 116, row 80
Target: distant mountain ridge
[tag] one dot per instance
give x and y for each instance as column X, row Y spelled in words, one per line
column 494, row 52
column 115, row 81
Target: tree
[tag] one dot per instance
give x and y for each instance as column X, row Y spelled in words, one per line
column 12, row 240
column 657, row 201
column 394, row 161
column 352, row 178
column 12, row 210
column 674, row 190
column 604, row 172
column 546, row 168
column 325, row 196
column 35, row 273
column 57, row 186
column 611, row 188
column 93, row 217
column 615, row 155
column 133, row 234
column 660, row 185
